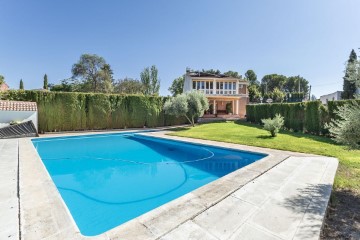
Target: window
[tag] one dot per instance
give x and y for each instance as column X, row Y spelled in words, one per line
column 194, row 85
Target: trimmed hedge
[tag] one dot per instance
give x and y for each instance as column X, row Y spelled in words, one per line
column 304, row 116
column 71, row 111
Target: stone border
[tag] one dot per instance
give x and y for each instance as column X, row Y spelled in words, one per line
column 44, row 214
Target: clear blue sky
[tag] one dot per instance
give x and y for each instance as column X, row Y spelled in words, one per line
column 311, row 38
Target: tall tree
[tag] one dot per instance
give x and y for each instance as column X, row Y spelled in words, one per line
column 251, row 77
column 177, row 86
column 106, row 78
column 254, row 93
column 349, row 86
column 296, row 84
column 272, row 81
column 66, row 85
column 21, row 86
column 45, row 82
column 211, row 71
column 154, row 80
column 150, row 81
column 128, row 86
column 233, row 74
column 93, row 73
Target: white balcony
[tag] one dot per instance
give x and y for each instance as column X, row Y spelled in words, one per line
column 218, row 92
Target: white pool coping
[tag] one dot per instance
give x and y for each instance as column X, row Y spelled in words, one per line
column 281, row 196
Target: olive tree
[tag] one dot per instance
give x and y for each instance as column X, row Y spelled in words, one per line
column 273, row 125
column 190, row 105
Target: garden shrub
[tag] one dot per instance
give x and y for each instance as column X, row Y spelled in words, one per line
column 71, row 111
column 273, row 125
column 346, row 127
column 312, row 117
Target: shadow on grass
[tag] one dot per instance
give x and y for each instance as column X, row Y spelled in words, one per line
column 322, row 139
column 343, row 216
column 265, row 137
column 179, row 129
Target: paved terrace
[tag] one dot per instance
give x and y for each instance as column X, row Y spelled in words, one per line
column 283, row 196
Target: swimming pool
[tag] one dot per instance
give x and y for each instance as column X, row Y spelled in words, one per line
column 108, row 179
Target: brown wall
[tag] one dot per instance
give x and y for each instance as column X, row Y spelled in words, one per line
column 242, row 106
column 243, row 90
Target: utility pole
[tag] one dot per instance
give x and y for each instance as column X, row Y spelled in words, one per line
column 310, row 93
column 266, row 86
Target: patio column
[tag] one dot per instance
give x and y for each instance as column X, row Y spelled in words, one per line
column 214, row 108
column 214, row 87
column 236, row 107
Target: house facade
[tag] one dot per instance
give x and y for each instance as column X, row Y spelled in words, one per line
column 221, row 91
column 18, row 111
column 4, row 87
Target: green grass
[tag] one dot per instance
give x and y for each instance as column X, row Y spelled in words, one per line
column 348, row 174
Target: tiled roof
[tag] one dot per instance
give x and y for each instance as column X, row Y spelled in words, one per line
column 17, row 106
column 204, row 74
column 212, row 75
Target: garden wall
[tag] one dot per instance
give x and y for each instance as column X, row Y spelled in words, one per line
column 303, row 116
column 62, row 111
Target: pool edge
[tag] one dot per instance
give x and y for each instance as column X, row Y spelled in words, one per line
column 146, row 226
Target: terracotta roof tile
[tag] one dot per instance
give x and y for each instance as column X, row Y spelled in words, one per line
column 17, row 106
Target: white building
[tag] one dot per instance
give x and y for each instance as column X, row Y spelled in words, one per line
column 331, row 97
column 220, row 90
column 18, row 111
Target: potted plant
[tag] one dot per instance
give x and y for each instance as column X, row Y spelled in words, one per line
column 211, row 109
column 228, row 108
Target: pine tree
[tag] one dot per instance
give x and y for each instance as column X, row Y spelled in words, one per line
column 45, row 82
column 349, row 88
column 21, row 85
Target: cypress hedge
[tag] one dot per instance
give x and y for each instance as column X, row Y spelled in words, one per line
column 308, row 117
column 72, row 111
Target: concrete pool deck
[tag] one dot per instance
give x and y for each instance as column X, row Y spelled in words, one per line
column 283, row 196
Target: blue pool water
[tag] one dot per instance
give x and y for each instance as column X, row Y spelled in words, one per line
column 106, row 180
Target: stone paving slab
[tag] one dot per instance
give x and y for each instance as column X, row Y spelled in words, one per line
column 9, row 202
column 266, row 211
column 282, row 196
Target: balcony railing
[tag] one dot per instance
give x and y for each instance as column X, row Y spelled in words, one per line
column 218, row 92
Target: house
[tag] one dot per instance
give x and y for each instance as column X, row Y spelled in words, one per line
column 220, row 90
column 4, row 87
column 331, row 97
column 18, row 111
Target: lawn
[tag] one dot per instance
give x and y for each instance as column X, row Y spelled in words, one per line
column 343, row 218
column 348, row 174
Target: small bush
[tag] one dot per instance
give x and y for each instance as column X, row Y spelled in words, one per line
column 273, row 125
